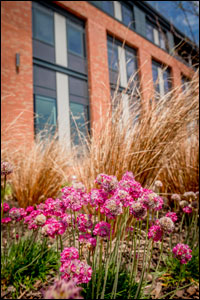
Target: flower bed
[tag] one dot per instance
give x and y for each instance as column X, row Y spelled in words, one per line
column 108, row 254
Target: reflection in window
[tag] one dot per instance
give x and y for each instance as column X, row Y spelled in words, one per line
column 127, row 16
column 161, row 79
column 45, row 109
column 79, row 122
column 112, row 56
column 149, row 32
column 43, row 27
column 106, row 6
column 131, row 63
column 74, row 40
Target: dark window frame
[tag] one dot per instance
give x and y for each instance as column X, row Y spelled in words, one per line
column 34, row 114
column 131, row 9
column 41, row 10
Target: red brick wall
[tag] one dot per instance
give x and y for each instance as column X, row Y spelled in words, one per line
column 17, row 89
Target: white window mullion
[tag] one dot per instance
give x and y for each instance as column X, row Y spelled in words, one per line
column 60, row 40
column 161, row 82
column 63, row 108
column 117, row 10
column 156, row 36
column 122, row 67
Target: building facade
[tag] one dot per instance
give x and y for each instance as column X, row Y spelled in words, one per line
column 62, row 60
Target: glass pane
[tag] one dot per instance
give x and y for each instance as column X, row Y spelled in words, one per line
column 45, row 109
column 107, row 6
column 112, row 56
column 166, row 79
column 75, row 40
column 149, row 32
column 78, row 120
column 162, row 41
column 127, row 16
column 155, row 77
column 130, row 64
column 43, row 27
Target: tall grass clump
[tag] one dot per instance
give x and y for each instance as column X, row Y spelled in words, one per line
column 181, row 172
column 39, row 170
column 142, row 141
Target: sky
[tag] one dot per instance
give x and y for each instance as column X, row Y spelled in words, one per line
column 169, row 10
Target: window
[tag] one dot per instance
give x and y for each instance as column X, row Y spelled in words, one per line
column 43, row 26
column 161, row 79
column 185, row 80
column 155, row 35
column 112, row 56
column 149, row 32
column 74, row 40
column 106, row 6
column 79, row 122
column 45, row 109
column 127, row 15
column 131, row 62
column 60, row 73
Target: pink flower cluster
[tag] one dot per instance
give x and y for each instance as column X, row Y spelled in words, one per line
column 53, row 227
column 106, row 182
column 187, row 210
column 183, row 253
column 73, row 268
column 156, row 233
column 84, row 222
column 17, row 214
column 87, row 239
column 6, row 207
column 172, row 216
column 74, row 198
column 151, row 200
column 63, row 289
column 111, row 208
column 102, row 229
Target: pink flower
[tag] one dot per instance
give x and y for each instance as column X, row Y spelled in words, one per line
column 102, row 229
column 17, row 214
column 151, row 200
column 61, row 289
column 6, row 207
column 107, row 182
column 69, row 253
column 84, row 222
column 73, row 199
column 133, row 187
column 6, row 168
column 172, row 216
column 87, row 239
column 128, row 176
column 29, row 209
column 138, row 210
column 183, row 253
column 54, row 207
column 187, row 210
column 166, row 224
column 6, row 220
column 155, row 232
column 67, row 220
column 76, row 270
column 123, row 196
column 53, row 227
column 112, row 208
column 97, row 197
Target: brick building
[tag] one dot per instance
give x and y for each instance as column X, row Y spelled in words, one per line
column 65, row 56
